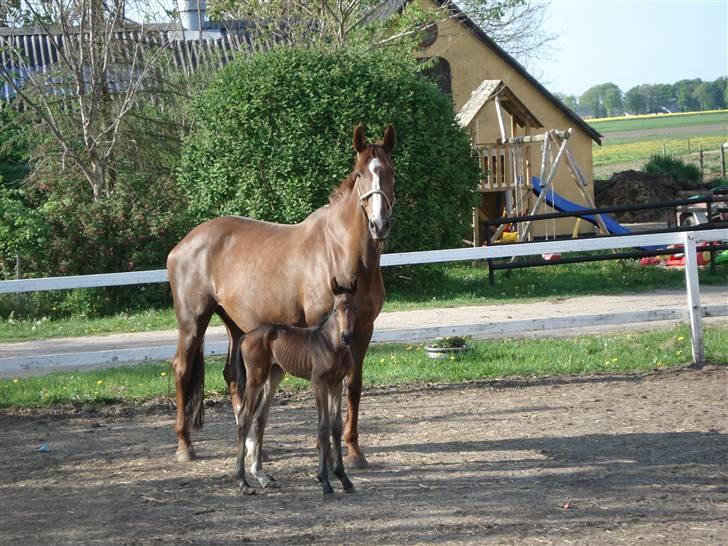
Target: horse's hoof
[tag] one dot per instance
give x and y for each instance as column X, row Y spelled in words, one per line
column 350, row 490
column 245, row 489
column 185, row 455
column 356, row 461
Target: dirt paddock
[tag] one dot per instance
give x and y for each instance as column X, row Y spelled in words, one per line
column 600, row 460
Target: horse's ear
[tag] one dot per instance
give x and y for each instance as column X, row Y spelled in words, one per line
column 335, row 288
column 390, row 139
column 360, row 139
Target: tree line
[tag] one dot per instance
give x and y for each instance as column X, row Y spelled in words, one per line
column 689, row 95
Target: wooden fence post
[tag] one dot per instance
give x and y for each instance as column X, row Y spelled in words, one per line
column 693, row 290
column 702, row 177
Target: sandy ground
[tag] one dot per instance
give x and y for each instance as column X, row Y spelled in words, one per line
column 595, row 460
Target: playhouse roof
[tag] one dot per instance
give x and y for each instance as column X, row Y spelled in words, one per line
column 488, row 90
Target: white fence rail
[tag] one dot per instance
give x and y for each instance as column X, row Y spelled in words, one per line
column 694, row 312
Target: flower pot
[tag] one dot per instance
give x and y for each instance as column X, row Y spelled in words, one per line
column 445, row 352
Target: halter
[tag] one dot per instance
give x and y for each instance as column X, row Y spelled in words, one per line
column 367, row 195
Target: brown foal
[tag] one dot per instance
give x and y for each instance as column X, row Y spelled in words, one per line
column 318, row 354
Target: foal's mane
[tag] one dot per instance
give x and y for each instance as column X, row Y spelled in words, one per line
column 343, row 189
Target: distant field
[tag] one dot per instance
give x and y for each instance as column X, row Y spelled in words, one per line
column 661, row 122
column 629, row 142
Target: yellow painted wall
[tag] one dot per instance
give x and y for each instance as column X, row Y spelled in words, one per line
column 471, row 62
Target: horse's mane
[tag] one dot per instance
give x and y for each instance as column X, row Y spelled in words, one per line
column 343, row 189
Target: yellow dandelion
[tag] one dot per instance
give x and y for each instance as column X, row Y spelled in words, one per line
column 163, row 374
column 679, row 353
column 452, row 358
column 100, row 382
column 16, row 380
column 615, row 359
column 408, row 348
column 381, row 361
column 680, row 338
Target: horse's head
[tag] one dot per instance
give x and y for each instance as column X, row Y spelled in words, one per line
column 344, row 308
column 374, row 180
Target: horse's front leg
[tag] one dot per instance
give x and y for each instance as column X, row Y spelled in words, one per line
column 324, row 431
column 336, row 426
column 261, row 418
column 355, row 458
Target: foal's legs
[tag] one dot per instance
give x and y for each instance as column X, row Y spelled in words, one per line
column 261, row 418
column 245, row 418
column 335, row 409
column 324, row 431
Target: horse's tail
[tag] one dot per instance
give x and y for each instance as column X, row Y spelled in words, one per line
column 238, row 364
column 195, row 406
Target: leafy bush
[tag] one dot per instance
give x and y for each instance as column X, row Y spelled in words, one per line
column 52, row 223
column 272, row 137
column 672, row 166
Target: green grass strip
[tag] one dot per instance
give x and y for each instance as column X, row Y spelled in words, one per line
column 392, row 365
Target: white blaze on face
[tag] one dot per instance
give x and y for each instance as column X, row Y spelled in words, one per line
column 377, row 201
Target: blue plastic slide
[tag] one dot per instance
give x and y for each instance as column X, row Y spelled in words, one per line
column 557, row 202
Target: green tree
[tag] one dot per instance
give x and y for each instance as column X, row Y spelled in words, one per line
column 684, row 94
column 272, row 138
column 570, row 101
column 635, row 101
column 612, row 99
column 710, row 95
column 603, row 99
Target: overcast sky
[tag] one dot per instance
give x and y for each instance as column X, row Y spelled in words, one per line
column 633, row 42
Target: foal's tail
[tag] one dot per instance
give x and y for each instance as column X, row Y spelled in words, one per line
column 195, row 406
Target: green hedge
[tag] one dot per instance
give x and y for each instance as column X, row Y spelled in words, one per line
column 272, row 136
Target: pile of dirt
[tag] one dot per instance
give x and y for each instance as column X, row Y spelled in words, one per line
column 637, row 188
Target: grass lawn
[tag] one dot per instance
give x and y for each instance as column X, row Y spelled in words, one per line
column 390, row 365
column 416, row 287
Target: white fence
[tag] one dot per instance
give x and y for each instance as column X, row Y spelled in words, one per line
column 694, row 310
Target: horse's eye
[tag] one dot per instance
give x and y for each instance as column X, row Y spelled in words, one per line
column 358, row 175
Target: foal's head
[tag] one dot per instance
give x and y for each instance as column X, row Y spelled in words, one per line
column 344, row 309
column 374, row 180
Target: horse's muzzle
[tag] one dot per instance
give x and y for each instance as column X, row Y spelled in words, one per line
column 346, row 337
column 379, row 231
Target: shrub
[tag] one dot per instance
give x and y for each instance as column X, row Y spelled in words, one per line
column 672, row 166
column 272, row 137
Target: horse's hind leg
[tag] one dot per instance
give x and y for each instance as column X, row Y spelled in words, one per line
column 336, row 426
column 261, row 418
column 189, row 379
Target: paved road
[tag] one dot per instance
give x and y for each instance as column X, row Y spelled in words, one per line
column 502, row 320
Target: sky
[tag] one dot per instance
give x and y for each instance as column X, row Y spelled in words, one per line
column 633, row 42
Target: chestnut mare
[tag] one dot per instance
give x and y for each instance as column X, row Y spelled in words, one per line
column 319, row 354
column 252, row 273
